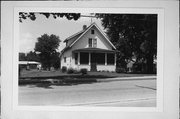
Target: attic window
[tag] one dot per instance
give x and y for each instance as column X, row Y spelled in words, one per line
column 92, row 31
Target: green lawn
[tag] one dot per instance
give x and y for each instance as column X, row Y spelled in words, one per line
column 59, row 74
column 49, row 77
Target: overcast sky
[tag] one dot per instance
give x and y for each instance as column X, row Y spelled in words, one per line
column 31, row 30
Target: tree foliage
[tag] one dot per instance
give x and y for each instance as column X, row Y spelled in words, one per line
column 134, row 35
column 32, row 15
column 22, row 57
column 47, row 46
column 32, row 56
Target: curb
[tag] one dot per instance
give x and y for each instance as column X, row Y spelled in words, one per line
column 112, row 101
column 127, row 78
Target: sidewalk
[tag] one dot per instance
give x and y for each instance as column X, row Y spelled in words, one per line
column 127, row 78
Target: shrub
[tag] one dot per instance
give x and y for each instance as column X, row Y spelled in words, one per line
column 76, row 71
column 112, row 71
column 107, row 70
column 64, row 69
column 83, row 71
column 120, row 70
column 70, row 71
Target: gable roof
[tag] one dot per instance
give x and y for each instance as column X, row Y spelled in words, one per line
column 74, row 35
column 80, row 34
column 87, row 29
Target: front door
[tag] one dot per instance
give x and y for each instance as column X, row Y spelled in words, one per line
column 93, row 62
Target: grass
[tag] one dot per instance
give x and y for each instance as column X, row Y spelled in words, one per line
column 57, row 77
column 58, row 74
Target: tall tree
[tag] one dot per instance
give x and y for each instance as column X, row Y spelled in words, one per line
column 134, row 35
column 22, row 57
column 47, row 46
column 32, row 56
column 56, row 60
column 32, row 15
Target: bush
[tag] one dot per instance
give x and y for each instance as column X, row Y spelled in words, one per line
column 64, row 69
column 70, row 71
column 120, row 70
column 107, row 70
column 83, row 71
column 76, row 71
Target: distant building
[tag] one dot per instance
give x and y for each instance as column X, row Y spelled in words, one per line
column 90, row 49
column 29, row 65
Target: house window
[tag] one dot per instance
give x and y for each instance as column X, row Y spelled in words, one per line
column 90, row 42
column 64, row 59
column 110, row 59
column 84, row 58
column 92, row 31
column 100, row 58
column 95, row 43
column 76, row 58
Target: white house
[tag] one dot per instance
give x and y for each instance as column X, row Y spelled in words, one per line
column 90, row 49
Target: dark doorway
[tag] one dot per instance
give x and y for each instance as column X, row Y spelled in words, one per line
column 93, row 62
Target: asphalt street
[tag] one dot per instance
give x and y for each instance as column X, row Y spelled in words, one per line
column 130, row 93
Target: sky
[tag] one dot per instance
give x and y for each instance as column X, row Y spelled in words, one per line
column 30, row 30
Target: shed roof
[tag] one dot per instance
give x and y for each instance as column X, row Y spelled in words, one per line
column 28, row 62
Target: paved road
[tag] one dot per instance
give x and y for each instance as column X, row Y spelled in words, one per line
column 116, row 93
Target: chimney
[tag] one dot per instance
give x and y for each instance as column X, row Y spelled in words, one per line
column 84, row 27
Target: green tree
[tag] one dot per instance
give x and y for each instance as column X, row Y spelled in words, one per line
column 47, row 46
column 32, row 15
column 22, row 57
column 32, row 56
column 56, row 60
column 134, row 35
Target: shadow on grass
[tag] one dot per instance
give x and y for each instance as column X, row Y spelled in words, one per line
column 46, row 86
column 55, row 82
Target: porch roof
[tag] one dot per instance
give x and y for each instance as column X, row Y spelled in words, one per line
column 94, row 50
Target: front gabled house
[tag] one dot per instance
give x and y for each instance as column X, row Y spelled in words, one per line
column 90, row 49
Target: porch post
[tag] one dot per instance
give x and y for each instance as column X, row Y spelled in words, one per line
column 89, row 58
column 105, row 58
column 115, row 59
column 78, row 58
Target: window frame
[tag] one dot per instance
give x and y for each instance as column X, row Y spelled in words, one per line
column 95, row 43
column 90, row 42
column 92, row 31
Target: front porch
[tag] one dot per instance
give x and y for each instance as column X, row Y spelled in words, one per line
column 95, row 59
